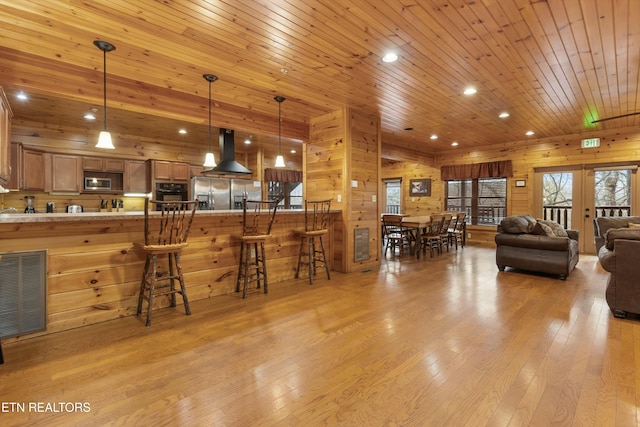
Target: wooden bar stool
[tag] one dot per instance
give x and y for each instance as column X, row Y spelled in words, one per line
column 316, row 220
column 166, row 235
column 257, row 219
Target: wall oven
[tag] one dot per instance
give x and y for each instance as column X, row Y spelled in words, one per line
column 171, row 192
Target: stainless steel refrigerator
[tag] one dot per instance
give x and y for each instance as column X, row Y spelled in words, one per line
column 244, row 188
column 212, row 193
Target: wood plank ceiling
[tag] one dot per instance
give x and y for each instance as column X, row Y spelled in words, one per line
column 554, row 66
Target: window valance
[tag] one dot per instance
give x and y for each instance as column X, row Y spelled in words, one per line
column 501, row 169
column 282, row 175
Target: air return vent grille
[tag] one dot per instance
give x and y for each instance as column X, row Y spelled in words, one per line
column 22, row 293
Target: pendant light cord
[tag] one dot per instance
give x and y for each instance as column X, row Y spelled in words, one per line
column 210, row 116
column 279, row 128
column 280, row 99
column 105, row 88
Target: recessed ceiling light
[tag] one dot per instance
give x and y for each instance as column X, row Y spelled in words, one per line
column 470, row 90
column 284, row 70
column 390, row 57
column 454, row 144
column 529, row 133
column 90, row 116
column 433, row 136
column 182, row 131
column 293, row 151
column 22, row 96
column 503, row 115
column 247, row 141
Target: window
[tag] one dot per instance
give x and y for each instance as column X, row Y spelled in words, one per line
column 613, row 192
column 483, row 200
column 288, row 194
column 392, row 193
column 285, row 186
column 557, row 197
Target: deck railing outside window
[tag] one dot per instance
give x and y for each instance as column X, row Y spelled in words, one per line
column 562, row 214
column 613, row 211
column 559, row 214
column 393, row 209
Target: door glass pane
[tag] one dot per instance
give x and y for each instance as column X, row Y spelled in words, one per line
column 557, row 197
column 393, row 196
column 613, row 192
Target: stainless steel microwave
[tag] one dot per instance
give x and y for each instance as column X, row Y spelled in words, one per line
column 97, row 183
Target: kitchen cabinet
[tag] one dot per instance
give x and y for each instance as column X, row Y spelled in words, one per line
column 135, row 176
column 27, row 168
column 162, row 170
column 5, row 138
column 101, row 164
column 66, row 173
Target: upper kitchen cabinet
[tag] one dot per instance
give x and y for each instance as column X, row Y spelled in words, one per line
column 5, row 138
column 100, row 164
column 66, row 173
column 162, row 170
column 27, row 168
column 135, row 176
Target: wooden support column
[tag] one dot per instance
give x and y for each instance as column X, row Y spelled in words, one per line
column 342, row 161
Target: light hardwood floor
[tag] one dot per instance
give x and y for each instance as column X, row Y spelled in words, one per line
column 430, row 342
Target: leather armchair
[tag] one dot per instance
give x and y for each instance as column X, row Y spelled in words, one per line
column 603, row 224
column 620, row 256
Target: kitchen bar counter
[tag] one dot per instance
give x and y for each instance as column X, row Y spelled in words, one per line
column 93, row 269
column 64, row 217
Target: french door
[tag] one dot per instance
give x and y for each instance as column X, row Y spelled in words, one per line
column 574, row 196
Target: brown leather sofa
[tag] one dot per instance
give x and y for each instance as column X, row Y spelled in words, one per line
column 525, row 243
column 619, row 254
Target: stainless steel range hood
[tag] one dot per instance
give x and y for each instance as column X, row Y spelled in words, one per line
column 227, row 164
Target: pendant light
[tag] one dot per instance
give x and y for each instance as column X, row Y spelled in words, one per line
column 209, row 159
column 104, row 141
column 279, row 158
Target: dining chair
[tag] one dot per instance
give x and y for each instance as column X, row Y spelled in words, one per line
column 430, row 238
column 444, row 232
column 456, row 232
column 165, row 234
column 395, row 234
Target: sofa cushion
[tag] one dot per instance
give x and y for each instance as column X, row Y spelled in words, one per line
column 634, row 225
column 518, row 224
column 620, row 233
column 556, row 229
column 603, row 224
column 542, row 229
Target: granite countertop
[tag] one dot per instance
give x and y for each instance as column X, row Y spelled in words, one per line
column 60, row 217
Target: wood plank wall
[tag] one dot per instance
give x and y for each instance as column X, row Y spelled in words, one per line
column 408, row 170
column 324, row 171
column 363, row 170
column 344, row 147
